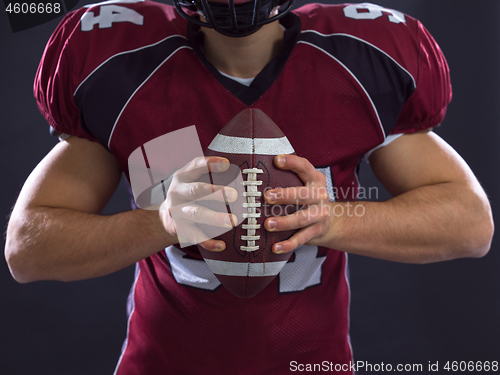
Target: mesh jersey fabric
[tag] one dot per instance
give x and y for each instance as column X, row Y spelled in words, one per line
column 339, row 87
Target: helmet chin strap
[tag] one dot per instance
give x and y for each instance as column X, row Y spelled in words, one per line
column 231, row 19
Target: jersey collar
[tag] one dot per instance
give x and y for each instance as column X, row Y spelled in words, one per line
column 264, row 80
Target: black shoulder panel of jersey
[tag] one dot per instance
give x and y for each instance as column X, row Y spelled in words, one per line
column 103, row 95
column 386, row 82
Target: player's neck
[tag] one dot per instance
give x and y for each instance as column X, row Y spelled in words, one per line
column 243, row 57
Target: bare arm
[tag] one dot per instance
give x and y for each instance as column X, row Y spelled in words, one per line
column 55, row 230
column 438, row 212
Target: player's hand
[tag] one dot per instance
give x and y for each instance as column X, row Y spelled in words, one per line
column 181, row 211
column 313, row 220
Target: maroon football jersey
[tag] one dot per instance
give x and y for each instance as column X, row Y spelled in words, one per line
column 348, row 76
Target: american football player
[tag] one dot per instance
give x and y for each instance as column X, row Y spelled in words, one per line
column 344, row 82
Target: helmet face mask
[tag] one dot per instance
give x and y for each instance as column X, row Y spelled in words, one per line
column 231, row 19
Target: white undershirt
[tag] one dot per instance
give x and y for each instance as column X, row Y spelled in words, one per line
column 244, row 81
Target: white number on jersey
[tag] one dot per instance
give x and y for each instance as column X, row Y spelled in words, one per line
column 109, row 14
column 192, row 272
column 303, row 272
column 367, row 11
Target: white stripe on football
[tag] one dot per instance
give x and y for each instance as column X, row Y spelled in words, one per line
column 249, row 146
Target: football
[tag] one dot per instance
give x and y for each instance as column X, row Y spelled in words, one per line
column 250, row 141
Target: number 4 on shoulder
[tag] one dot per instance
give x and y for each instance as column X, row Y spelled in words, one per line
column 367, row 11
column 109, row 14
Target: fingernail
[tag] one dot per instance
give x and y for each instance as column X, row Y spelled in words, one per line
column 230, row 194
column 222, row 165
column 278, row 248
column 219, row 246
column 271, row 197
column 280, row 161
column 229, row 221
column 272, row 224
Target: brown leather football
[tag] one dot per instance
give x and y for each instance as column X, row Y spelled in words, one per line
column 250, row 141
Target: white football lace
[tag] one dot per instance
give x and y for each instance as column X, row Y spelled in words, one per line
column 251, row 215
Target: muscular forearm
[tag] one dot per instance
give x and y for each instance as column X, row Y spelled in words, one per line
column 61, row 244
column 428, row 224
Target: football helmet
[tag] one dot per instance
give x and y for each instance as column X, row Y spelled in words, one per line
column 231, row 19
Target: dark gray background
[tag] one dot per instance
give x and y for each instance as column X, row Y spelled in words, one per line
column 400, row 313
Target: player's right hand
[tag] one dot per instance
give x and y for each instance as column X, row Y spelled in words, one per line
column 181, row 211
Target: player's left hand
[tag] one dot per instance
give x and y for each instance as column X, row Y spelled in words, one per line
column 313, row 220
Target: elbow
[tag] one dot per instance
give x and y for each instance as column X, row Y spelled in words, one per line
column 18, row 272
column 22, row 250
column 469, row 231
column 17, row 267
column 483, row 238
column 479, row 236
column 18, row 261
